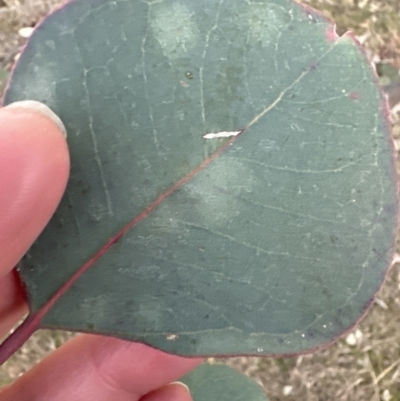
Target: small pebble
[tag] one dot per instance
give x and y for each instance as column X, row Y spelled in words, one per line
column 287, row 390
column 25, row 32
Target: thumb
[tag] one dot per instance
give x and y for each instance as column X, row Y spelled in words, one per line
column 34, row 166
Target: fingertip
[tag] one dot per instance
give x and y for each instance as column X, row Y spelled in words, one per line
column 34, row 168
column 34, row 107
column 179, row 383
column 175, row 391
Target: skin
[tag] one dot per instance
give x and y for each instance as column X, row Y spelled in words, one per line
column 34, row 168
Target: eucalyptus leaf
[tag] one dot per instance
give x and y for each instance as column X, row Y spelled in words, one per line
column 222, row 383
column 233, row 186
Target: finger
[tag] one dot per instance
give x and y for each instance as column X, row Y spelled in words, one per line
column 175, row 391
column 12, row 302
column 33, row 170
column 99, row 368
column 34, row 166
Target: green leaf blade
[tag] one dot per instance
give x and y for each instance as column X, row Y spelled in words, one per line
column 276, row 244
column 222, row 383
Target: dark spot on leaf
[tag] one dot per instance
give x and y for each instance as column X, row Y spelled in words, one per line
column 312, row 67
column 193, row 341
column 334, row 238
column 90, row 326
column 310, row 333
column 327, row 294
column 189, row 75
column 60, row 224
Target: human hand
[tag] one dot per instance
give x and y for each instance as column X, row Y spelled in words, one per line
column 34, row 167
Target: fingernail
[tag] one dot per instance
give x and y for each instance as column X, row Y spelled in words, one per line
column 181, row 384
column 40, row 108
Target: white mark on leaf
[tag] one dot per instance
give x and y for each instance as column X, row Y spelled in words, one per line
column 223, row 134
column 172, row 337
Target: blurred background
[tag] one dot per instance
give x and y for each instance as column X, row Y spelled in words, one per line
column 364, row 365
